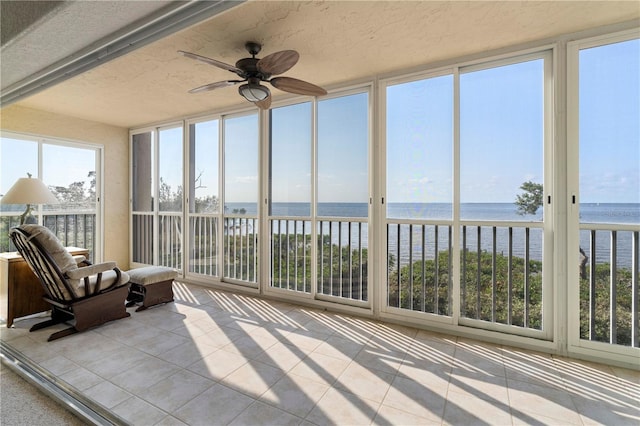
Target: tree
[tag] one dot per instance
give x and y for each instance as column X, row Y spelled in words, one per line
column 531, row 199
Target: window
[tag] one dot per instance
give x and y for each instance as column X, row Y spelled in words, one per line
column 204, row 197
column 70, row 171
column 606, row 245
column 419, row 152
column 241, row 198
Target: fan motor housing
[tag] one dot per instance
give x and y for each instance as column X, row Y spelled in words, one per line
column 250, row 69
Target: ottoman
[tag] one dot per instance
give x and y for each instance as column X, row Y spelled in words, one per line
column 150, row 286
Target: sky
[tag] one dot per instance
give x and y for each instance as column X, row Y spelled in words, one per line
column 501, row 140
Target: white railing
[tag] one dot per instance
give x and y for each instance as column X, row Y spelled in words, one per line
column 343, row 258
column 73, row 229
column 419, row 266
column 203, row 250
column 240, row 250
column 609, row 283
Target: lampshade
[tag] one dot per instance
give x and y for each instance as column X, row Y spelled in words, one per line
column 254, row 92
column 29, row 191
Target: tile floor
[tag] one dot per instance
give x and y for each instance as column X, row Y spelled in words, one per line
column 216, row 358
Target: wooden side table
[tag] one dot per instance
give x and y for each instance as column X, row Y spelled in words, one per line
column 20, row 290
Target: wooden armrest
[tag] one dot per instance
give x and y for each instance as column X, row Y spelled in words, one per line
column 86, row 271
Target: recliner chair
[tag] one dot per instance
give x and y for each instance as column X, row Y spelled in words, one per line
column 81, row 294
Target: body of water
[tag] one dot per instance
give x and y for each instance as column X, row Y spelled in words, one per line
column 610, row 213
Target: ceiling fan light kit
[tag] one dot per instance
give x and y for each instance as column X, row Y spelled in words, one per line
column 253, row 91
column 253, row 71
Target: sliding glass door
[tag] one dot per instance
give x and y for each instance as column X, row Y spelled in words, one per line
column 157, row 197
column 318, row 192
column 604, row 247
column 467, row 228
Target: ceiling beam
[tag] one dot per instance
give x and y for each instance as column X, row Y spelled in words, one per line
column 140, row 33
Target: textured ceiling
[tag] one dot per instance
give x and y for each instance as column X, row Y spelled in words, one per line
column 36, row 34
column 339, row 42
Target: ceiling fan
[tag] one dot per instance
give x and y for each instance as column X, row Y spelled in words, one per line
column 252, row 71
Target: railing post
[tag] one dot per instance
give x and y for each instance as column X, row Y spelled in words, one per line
column 613, row 297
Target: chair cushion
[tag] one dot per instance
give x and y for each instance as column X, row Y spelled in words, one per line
column 52, row 245
column 108, row 278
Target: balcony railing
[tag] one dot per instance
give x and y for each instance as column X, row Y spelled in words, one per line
column 343, row 258
column 502, row 274
column 342, row 262
column 241, row 248
column 73, row 229
column 609, row 283
column 419, row 266
column 203, row 252
column 290, row 244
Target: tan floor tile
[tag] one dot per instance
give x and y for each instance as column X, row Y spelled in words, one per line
column 307, row 341
column 620, row 413
column 491, row 388
column 107, row 394
column 219, row 405
column 283, row 356
column 136, row 411
column 187, row 353
column 339, row 347
column 365, row 382
column 251, row 346
column 253, row 378
column 176, row 390
column 478, row 358
column 295, row 394
column 81, row 378
column 390, row 416
column 145, row 373
column 380, row 359
column 170, row 421
column 528, row 399
column 115, row 364
column 342, row 408
column 320, row 368
column 161, row 343
column 417, row 398
column 260, row 413
column 473, row 408
column 59, row 365
column 218, row 364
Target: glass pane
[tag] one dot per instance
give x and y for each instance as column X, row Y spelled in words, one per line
column 609, row 93
column 609, row 176
column 204, row 168
column 240, row 224
column 204, row 199
column 170, row 168
column 343, row 159
column 142, row 173
column 241, row 165
column 419, row 149
column 290, row 165
column 501, row 142
column 17, row 158
column 71, row 175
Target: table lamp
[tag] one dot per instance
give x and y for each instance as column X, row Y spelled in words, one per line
column 29, row 191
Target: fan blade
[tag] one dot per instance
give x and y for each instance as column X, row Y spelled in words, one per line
column 293, row 85
column 216, row 85
column 211, row 62
column 265, row 103
column 278, row 62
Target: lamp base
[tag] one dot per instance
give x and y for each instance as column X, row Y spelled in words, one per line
column 27, row 217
